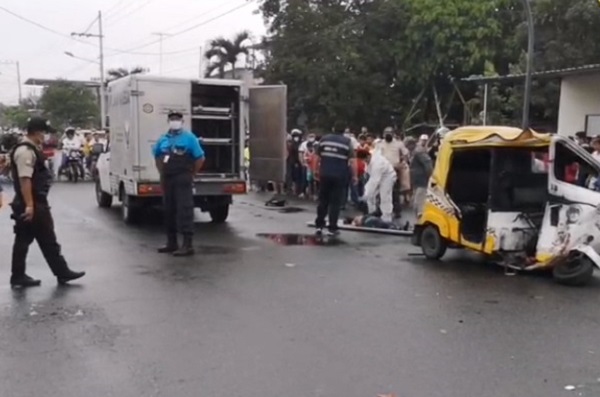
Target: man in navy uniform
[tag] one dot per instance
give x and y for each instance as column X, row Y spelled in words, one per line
column 179, row 157
column 335, row 153
column 31, row 210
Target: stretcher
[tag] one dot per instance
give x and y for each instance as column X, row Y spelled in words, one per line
column 352, row 228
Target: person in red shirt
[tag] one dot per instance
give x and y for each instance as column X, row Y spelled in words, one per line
column 361, row 168
column 571, row 172
column 312, row 168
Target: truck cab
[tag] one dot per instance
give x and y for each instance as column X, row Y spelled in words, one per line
column 219, row 112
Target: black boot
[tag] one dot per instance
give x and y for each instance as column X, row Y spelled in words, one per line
column 187, row 249
column 171, row 245
column 24, row 281
column 69, row 275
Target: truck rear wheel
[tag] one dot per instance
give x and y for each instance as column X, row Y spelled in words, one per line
column 104, row 199
column 219, row 214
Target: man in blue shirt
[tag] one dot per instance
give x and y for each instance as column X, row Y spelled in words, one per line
column 179, row 157
column 335, row 152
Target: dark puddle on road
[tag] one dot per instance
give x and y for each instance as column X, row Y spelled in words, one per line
column 300, row 239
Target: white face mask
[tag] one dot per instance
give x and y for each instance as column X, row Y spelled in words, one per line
column 175, row 125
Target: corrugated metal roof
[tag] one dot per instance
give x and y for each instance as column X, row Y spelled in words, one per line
column 546, row 74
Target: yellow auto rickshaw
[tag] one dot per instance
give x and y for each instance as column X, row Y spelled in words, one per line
column 524, row 199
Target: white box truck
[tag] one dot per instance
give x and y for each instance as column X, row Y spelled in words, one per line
column 219, row 112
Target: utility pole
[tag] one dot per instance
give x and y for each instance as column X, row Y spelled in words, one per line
column 160, row 35
column 529, row 70
column 16, row 63
column 100, row 37
column 201, row 64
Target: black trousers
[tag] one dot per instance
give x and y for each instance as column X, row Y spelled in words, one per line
column 40, row 229
column 330, row 201
column 178, row 201
column 396, row 198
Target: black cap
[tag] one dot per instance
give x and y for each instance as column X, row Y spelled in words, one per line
column 174, row 114
column 36, row 124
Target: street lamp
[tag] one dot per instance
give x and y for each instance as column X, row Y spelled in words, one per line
column 70, row 54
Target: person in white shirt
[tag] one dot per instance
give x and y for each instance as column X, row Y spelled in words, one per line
column 382, row 178
column 397, row 154
column 70, row 142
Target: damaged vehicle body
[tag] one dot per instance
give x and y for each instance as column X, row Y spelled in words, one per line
column 528, row 201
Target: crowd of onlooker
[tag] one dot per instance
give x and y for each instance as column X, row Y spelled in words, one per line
column 410, row 158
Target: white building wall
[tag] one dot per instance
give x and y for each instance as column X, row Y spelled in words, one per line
column 579, row 97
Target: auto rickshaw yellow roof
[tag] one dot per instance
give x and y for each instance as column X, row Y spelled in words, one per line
column 495, row 135
column 471, row 137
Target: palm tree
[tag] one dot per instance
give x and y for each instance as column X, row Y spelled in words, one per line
column 114, row 74
column 224, row 52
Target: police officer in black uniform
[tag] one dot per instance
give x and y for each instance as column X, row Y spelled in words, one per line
column 335, row 154
column 179, row 157
column 31, row 210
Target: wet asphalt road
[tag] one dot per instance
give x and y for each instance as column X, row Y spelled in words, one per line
column 247, row 317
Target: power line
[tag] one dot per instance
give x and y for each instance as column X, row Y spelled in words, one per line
column 132, row 51
column 192, row 27
column 122, row 17
column 90, row 25
column 193, row 18
column 115, row 5
column 119, row 8
column 39, row 25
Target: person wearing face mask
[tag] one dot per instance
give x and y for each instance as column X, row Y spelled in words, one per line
column 295, row 177
column 179, row 156
column 396, row 153
column 303, row 155
column 31, row 209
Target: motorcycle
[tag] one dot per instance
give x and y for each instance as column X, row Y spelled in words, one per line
column 73, row 165
column 97, row 150
column 49, row 160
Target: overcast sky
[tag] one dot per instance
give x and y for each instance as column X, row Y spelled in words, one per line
column 128, row 27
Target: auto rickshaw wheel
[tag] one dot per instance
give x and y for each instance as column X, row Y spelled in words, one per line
column 576, row 271
column 433, row 244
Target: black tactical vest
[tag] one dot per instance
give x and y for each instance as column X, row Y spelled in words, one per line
column 41, row 179
column 180, row 162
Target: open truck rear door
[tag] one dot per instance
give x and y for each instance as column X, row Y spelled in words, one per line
column 268, row 124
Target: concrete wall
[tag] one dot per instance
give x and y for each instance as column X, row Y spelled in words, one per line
column 579, row 96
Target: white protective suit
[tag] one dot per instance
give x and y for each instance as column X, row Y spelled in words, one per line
column 382, row 177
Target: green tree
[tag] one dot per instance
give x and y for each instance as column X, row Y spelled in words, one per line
column 564, row 39
column 367, row 61
column 224, row 52
column 13, row 116
column 66, row 103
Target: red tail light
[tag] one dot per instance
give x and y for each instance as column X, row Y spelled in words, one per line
column 149, row 189
column 235, row 188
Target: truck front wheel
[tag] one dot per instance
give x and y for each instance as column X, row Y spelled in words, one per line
column 129, row 210
column 104, row 199
column 219, row 214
